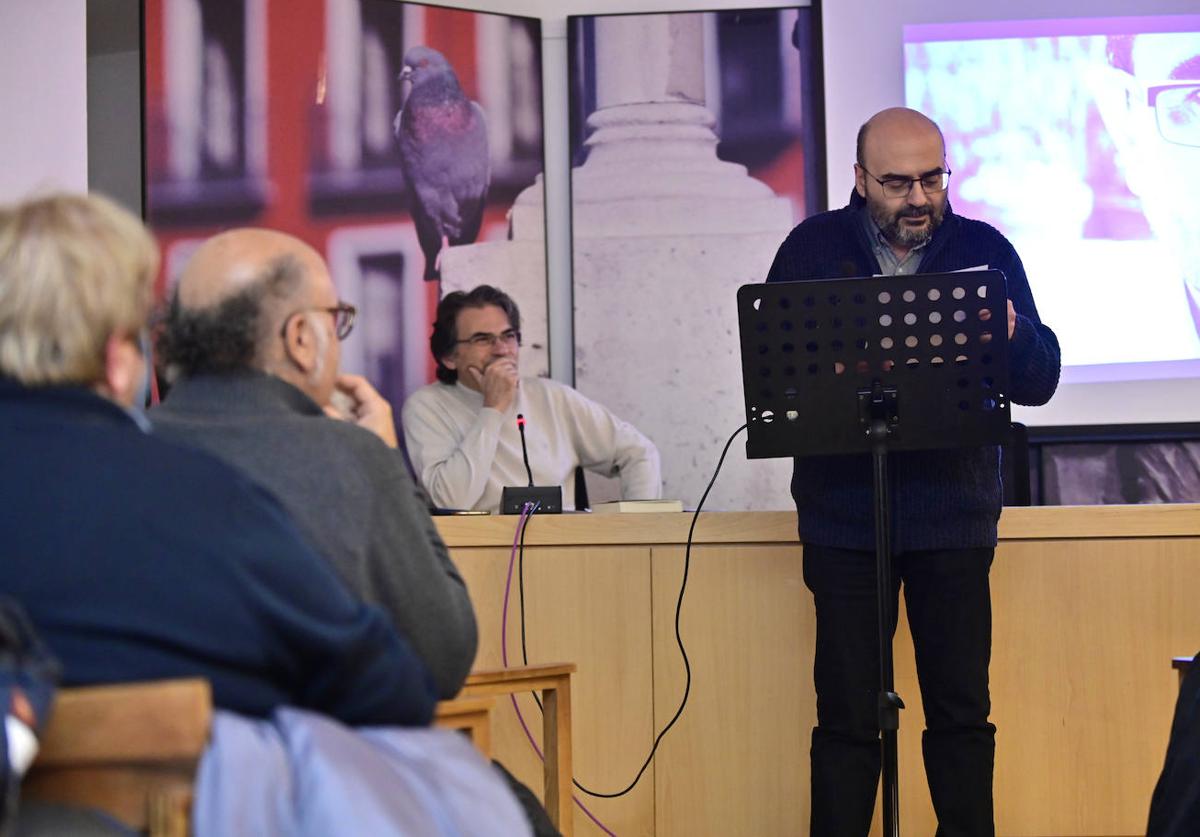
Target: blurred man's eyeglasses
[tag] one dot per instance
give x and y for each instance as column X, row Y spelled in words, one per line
column 899, row 187
column 483, row 340
column 343, row 318
column 1177, row 111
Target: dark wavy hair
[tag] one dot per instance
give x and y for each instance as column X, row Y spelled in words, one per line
column 445, row 328
column 225, row 337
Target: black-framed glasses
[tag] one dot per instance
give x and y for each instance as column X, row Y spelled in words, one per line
column 484, row 340
column 899, row 187
column 343, row 318
column 1176, row 111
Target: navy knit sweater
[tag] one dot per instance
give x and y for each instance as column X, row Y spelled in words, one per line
column 946, row 499
column 139, row 560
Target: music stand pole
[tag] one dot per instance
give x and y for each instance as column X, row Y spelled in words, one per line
column 879, row 412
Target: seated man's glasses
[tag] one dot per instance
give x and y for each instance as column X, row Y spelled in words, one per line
column 1177, row 111
column 483, row 340
column 899, row 187
column 343, row 318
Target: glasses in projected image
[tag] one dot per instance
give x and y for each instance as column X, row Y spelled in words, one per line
column 1176, row 111
column 899, row 187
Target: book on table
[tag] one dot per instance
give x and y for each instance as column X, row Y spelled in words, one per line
column 639, row 506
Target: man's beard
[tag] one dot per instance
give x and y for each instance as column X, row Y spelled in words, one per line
column 896, row 233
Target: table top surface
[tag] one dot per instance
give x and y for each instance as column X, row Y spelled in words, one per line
column 765, row 527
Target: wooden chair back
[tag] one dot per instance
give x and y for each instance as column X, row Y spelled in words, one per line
column 131, row 750
column 553, row 680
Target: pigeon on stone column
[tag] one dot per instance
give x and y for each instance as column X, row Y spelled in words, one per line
column 442, row 137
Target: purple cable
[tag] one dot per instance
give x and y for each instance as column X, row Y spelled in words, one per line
column 526, row 510
column 526, row 513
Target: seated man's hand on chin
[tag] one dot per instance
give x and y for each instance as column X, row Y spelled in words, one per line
column 497, row 381
column 356, row 401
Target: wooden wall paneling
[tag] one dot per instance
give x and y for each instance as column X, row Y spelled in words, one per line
column 1083, row 692
column 737, row 760
column 590, row 606
column 1089, row 607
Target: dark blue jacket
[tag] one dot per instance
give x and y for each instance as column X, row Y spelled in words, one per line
column 941, row 499
column 140, row 560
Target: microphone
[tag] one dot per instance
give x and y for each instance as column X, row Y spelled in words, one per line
column 524, row 447
column 514, row 499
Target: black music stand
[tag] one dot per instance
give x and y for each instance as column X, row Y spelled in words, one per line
column 873, row 365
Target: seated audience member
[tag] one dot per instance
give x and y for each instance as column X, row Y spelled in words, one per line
column 461, row 432
column 251, row 343
column 1175, row 805
column 28, row 678
column 136, row 559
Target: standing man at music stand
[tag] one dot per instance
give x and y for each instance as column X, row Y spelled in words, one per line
column 946, row 503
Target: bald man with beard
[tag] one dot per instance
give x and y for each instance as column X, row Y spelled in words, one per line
column 946, row 502
column 251, row 350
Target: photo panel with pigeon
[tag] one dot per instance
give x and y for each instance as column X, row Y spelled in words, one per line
column 403, row 141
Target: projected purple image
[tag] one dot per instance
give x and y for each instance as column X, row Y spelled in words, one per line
column 1080, row 140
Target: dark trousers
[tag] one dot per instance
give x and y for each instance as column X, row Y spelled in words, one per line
column 950, row 615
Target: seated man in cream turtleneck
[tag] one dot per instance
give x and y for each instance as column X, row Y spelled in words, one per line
column 461, row 432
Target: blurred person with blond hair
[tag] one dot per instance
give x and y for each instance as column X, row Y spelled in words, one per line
column 136, row 559
column 75, row 286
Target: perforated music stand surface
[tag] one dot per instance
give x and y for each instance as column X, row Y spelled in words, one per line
column 809, row 349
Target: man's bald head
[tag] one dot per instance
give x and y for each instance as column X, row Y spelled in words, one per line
column 894, row 125
column 248, row 299
column 232, row 262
